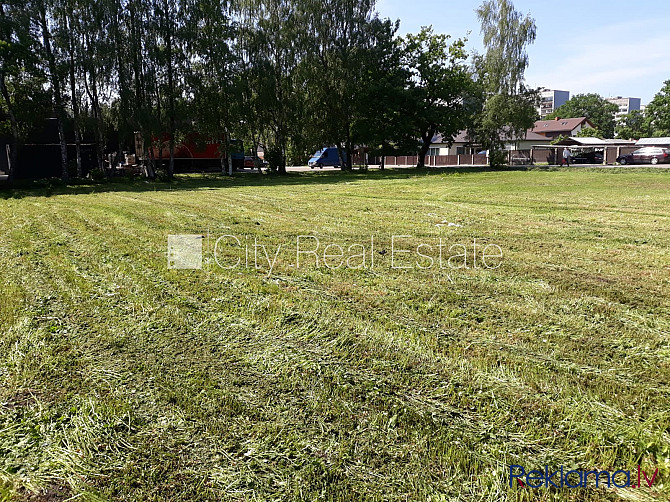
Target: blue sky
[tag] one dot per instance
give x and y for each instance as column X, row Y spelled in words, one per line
column 613, row 48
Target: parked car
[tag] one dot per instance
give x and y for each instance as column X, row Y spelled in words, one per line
column 645, row 155
column 587, row 158
column 254, row 162
column 326, row 157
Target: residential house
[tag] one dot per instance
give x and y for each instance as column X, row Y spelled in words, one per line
column 561, row 127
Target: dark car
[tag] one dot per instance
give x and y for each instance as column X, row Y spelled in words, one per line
column 648, row 154
column 587, row 158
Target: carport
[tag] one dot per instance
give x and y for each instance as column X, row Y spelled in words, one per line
column 660, row 142
column 611, row 148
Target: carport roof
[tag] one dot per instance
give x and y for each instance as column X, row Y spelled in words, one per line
column 653, row 142
column 574, row 141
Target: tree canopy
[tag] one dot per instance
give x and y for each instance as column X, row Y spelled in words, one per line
column 633, row 125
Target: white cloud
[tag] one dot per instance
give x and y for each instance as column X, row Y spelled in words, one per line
column 624, row 58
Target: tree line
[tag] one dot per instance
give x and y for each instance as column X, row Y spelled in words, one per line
column 291, row 75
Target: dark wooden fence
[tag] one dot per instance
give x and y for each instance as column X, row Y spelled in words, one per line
column 550, row 156
column 432, row 160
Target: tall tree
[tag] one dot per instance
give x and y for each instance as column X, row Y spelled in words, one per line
column 440, row 87
column 600, row 112
column 348, row 40
column 96, row 65
column 212, row 80
column 55, row 81
column 383, row 102
column 279, row 31
column 67, row 36
column 509, row 108
column 16, row 53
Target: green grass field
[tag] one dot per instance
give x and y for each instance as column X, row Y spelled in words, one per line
column 121, row 379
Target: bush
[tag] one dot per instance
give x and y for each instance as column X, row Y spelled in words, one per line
column 162, row 175
column 273, row 157
column 498, row 158
column 97, row 175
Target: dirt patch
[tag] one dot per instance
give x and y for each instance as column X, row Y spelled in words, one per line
column 53, row 493
column 20, row 399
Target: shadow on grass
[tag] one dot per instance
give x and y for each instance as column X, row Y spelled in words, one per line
column 211, row 181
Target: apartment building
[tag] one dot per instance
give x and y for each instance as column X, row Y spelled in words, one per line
column 626, row 105
column 550, row 100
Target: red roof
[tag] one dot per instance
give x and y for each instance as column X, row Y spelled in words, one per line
column 560, row 125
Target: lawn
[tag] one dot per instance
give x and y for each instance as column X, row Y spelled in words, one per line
column 123, row 379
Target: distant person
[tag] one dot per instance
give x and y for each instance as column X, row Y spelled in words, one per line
column 566, row 156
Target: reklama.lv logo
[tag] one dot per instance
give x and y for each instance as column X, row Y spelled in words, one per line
column 578, row 479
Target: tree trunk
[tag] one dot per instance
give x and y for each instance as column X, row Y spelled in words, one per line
column 92, row 93
column 160, row 153
column 281, row 144
column 171, row 91
column 151, row 166
column 95, row 104
column 281, row 168
column 350, row 151
column 123, row 84
column 14, row 157
column 341, row 153
column 55, row 87
column 75, row 105
column 425, row 146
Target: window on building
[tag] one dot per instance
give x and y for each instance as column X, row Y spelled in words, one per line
column 460, row 150
column 433, row 152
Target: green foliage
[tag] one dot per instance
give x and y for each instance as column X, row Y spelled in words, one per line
column 633, row 125
column 558, row 139
column 274, row 157
column 509, row 106
column 601, row 113
column 97, row 175
column 590, row 132
column 658, row 112
column 506, row 34
column 350, row 56
column 498, row 158
column 439, row 88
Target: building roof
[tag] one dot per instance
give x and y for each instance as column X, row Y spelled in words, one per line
column 653, row 142
column 462, row 137
column 560, row 125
